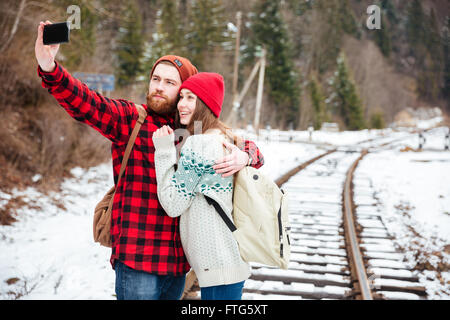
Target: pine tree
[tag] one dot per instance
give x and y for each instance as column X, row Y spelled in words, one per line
column 389, row 18
column 431, row 75
column 318, row 103
column 446, row 49
column 377, row 120
column 299, row 7
column 346, row 99
column 433, row 39
column 83, row 39
column 346, row 18
column 130, row 46
column 171, row 27
column 389, row 10
column 337, row 18
column 415, row 25
column 424, row 38
column 269, row 31
column 382, row 38
column 169, row 35
column 207, row 30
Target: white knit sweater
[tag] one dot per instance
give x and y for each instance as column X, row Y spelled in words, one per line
column 209, row 245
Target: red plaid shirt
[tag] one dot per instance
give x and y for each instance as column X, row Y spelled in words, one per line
column 143, row 236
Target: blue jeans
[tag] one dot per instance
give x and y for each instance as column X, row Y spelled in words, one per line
column 224, row 292
column 140, row 285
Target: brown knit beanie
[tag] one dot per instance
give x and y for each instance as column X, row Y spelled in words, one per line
column 184, row 66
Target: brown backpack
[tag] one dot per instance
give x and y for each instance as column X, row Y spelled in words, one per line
column 102, row 215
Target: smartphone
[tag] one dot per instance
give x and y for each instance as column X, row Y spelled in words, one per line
column 56, row 33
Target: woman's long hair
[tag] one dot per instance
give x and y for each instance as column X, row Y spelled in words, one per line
column 208, row 121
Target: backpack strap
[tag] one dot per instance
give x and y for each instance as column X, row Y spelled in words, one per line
column 142, row 113
column 137, row 127
column 221, row 213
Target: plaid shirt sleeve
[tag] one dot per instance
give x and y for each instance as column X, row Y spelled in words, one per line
column 112, row 118
column 257, row 159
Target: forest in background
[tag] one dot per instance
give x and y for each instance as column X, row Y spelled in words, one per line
column 323, row 65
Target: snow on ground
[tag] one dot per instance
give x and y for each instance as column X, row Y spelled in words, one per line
column 413, row 191
column 49, row 252
column 418, row 179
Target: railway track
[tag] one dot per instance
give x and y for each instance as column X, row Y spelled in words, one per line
column 340, row 247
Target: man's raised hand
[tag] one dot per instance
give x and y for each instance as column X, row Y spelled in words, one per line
column 233, row 162
column 45, row 54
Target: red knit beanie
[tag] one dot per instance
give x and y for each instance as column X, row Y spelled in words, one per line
column 184, row 66
column 209, row 87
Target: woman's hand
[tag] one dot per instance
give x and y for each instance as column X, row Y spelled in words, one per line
column 163, row 131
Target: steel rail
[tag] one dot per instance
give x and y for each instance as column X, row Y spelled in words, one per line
column 357, row 267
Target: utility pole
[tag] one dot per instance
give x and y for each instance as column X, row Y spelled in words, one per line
column 422, row 140
column 237, row 97
column 447, row 140
column 235, row 105
column 260, row 91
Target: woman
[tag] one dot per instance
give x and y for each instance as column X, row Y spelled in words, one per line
column 209, row 245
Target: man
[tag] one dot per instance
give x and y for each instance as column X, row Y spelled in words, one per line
column 147, row 255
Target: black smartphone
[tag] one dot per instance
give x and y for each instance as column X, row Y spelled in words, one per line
column 56, row 33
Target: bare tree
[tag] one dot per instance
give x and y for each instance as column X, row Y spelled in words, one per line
column 14, row 27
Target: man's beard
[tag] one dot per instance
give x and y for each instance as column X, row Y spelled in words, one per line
column 160, row 106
